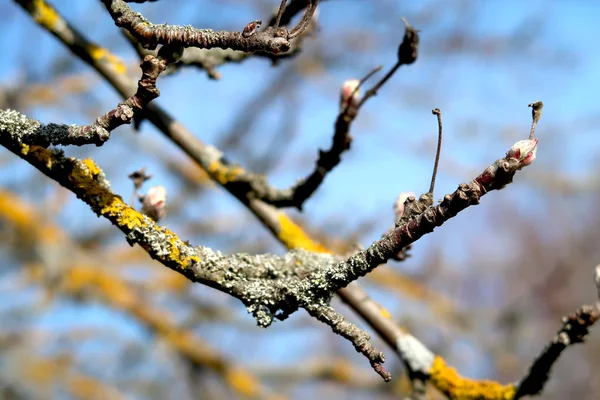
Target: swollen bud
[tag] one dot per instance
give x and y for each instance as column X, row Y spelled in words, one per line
column 523, row 151
column 154, row 202
column 348, row 96
column 408, row 49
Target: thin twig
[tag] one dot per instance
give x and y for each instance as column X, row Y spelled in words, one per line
column 279, row 14
column 438, row 113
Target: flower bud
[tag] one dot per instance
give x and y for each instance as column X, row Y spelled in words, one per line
column 347, row 98
column 153, row 203
column 399, row 204
column 523, row 151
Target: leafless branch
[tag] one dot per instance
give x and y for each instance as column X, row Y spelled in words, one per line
column 271, row 40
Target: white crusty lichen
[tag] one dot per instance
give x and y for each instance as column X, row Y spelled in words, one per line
column 414, row 353
column 17, row 124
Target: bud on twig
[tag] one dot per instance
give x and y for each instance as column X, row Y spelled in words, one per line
column 523, row 151
column 153, row 203
column 349, row 94
column 407, row 51
column 251, row 28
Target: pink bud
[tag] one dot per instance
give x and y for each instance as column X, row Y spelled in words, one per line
column 346, row 96
column 524, row 151
column 153, row 203
column 399, row 204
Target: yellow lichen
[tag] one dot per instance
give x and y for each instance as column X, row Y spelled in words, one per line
column 455, row 387
column 224, row 173
column 101, row 54
column 17, row 213
column 293, row 237
column 44, row 14
column 92, row 167
column 242, row 382
column 38, row 153
column 384, row 312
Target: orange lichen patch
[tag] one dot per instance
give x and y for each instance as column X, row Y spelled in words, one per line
column 118, row 293
column 13, row 210
column 113, row 288
column 85, row 387
column 293, row 237
column 242, row 382
column 455, row 387
column 42, row 372
column 44, row 14
column 51, row 93
column 25, row 218
column 168, row 280
column 98, row 53
column 413, row 289
column 341, row 371
column 224, row 173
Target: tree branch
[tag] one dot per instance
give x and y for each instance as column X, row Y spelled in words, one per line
column 303, row 189
column 269, row 286
column 29, row 131
column 273, row 40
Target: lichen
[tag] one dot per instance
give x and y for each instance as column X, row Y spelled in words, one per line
column 45, row 14
column 224, row 173
column 293, row 237
column 455, row 387
column 242, row 382
column 98, row 53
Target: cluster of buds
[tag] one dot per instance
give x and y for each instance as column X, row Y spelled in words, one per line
column 523, row 151
column 349, row 94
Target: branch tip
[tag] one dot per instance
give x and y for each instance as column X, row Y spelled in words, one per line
column 536, row 114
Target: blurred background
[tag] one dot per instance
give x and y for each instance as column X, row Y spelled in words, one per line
column 84, row 315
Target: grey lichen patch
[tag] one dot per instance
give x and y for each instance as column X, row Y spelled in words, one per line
column 418, row 357
column 29, row 131
column 17, row 124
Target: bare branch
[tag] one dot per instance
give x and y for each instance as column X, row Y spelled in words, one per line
column 270, row 286
column 574, row 330
column 271, row 40
column 303, row 189
column 210, row 59
column 28, row 131
column 359, row 338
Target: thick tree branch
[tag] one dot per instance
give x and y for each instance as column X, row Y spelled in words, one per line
column 210, row 59
column 273, row 40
